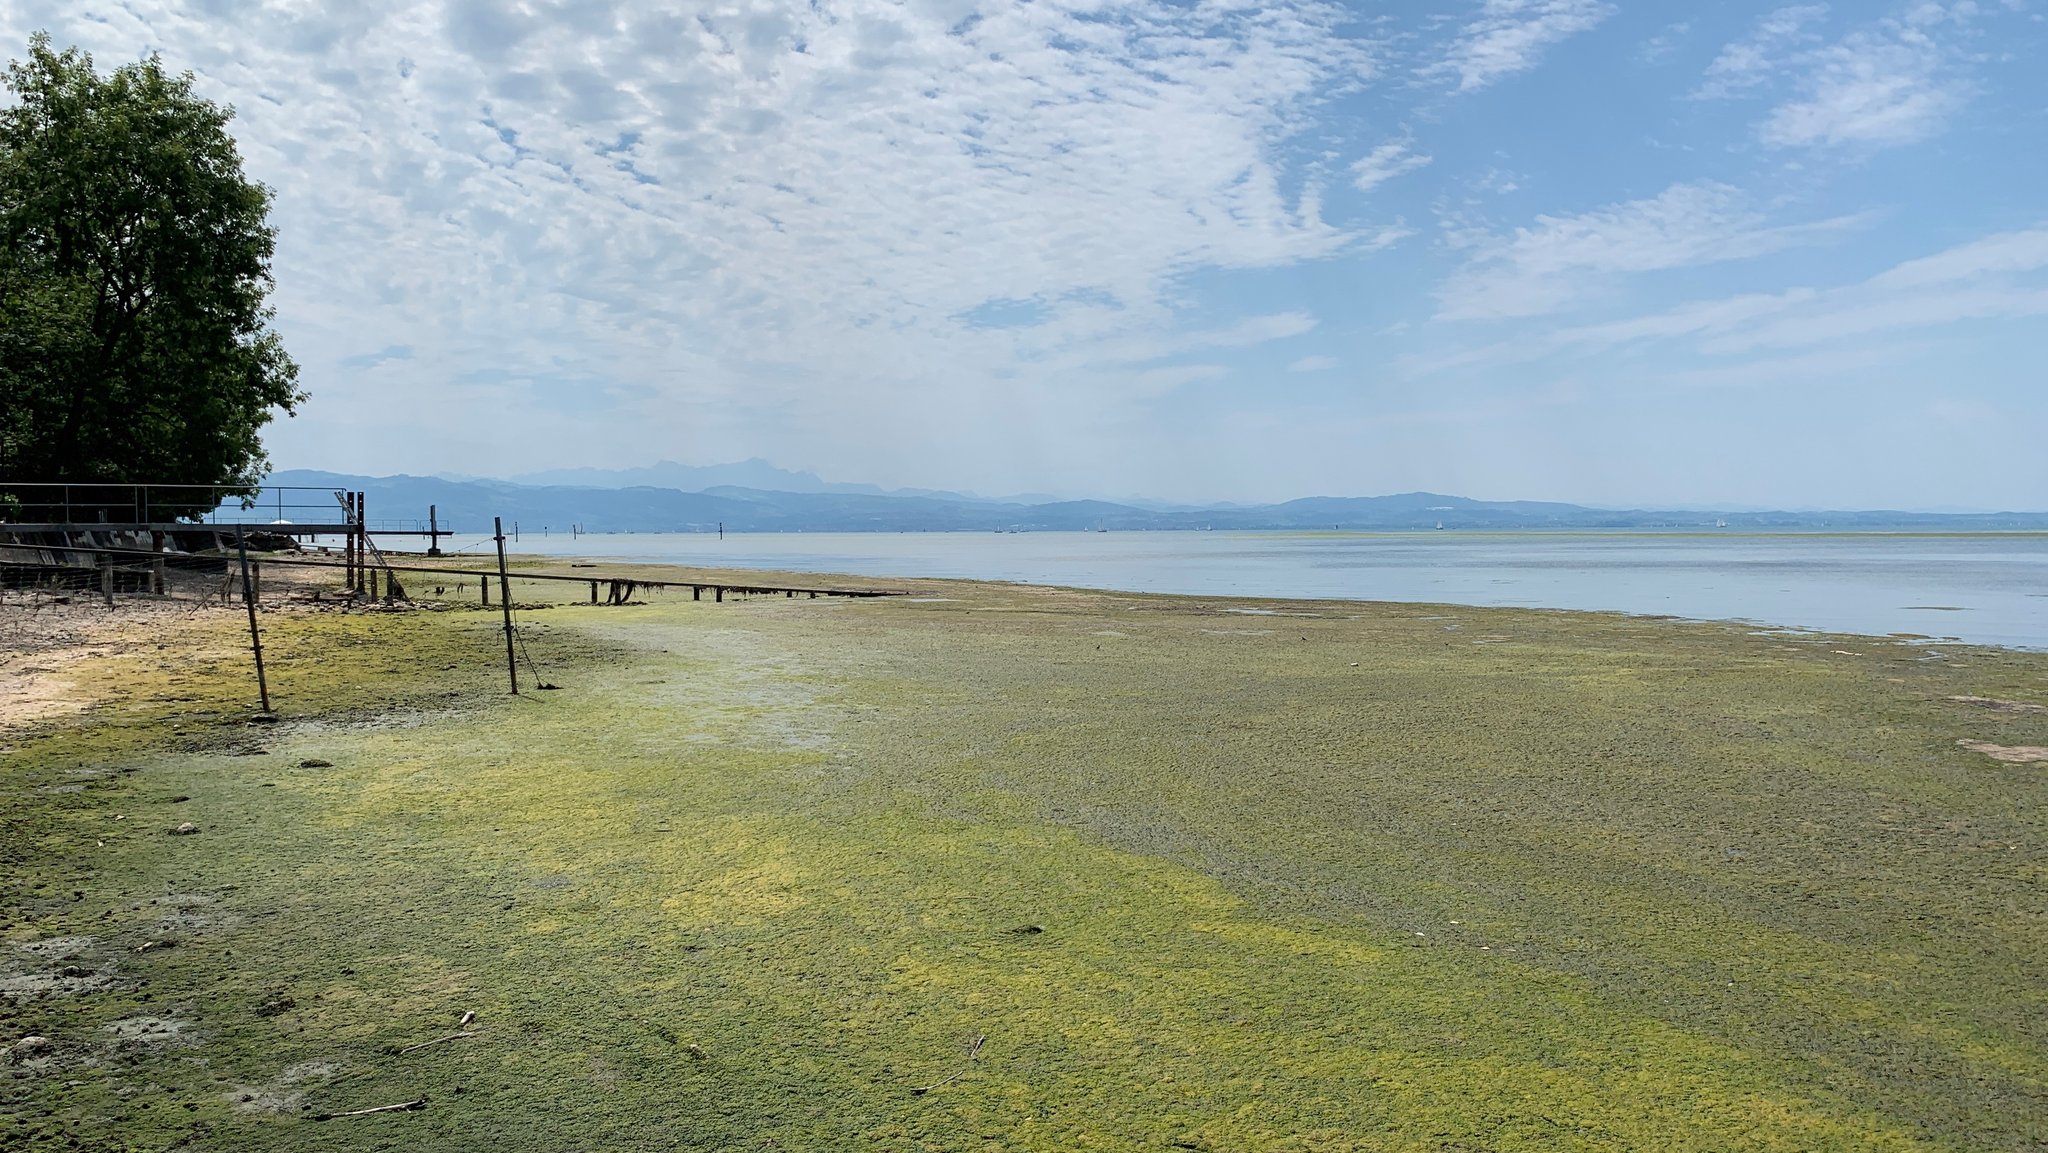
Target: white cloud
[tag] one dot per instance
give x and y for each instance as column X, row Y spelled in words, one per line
column 756, row 215
column 1996, row 277
column 1894, row 81
column 1313, row 364
column 1254, row 330
column 1869, row 90
column 2006, row 252
column 1166, row 378
column 1756, row 58
column 1395, row 158
column 1858, row 314
column 1664, row 43
column 1509, row 36
column 1564, row 260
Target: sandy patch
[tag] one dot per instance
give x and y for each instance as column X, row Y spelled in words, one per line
column 2010, row 754
column 42, row 686
column 47, row 648
column 66, row 983
column 287, row 1094
column 58, row 948
column 147, row 1030
column 1996, row 705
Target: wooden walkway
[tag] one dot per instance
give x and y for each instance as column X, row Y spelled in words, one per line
column 620, row 588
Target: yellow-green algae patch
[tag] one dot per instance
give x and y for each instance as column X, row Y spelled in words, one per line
column 1195, row 878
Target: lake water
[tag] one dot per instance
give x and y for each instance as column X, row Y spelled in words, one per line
column 1985, row 589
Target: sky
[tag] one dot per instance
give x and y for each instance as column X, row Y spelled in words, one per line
column 1604, row 251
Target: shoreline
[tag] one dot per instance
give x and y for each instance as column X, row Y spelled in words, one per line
column 1871, row 585
column 679, row 573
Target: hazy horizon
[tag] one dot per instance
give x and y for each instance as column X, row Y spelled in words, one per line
column 1042, row 494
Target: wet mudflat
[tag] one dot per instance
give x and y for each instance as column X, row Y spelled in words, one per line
column 1984, row 588
column 1090, row 870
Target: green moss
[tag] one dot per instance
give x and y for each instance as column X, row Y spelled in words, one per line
column 1353, row 880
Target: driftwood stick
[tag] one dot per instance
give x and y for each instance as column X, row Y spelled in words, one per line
column 439, row 1040
column 973, row 1055
column 412, row 1106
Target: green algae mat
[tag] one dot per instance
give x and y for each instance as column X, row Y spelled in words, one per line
column 991, row 868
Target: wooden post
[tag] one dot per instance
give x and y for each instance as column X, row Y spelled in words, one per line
column 249, row 601
column 362, row 542
column 348, row 540
column 256, row 575
column 696, row 592
column 107, row 579
column 593, row 592
column 505, row 602
column 355, row 541
column 433, row 531
column 720, row 590
column 483, row 585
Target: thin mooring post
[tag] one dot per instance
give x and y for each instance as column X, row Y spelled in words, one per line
column 348, row 576
column 249, row 602
column 505, row 603
column 348, row 541
column 362, row 542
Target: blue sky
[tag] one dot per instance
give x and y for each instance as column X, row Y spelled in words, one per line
column 1590, row 250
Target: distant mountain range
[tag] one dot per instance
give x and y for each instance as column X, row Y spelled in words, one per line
column 754, row 473
column 469, row 505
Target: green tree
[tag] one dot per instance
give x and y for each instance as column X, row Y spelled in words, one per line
column 135, row 341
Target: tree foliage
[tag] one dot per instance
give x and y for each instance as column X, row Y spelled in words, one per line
column 135, row 340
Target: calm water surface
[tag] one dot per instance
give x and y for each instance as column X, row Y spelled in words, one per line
column 1987, row 589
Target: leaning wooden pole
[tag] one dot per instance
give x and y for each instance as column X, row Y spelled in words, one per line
column 249, row 601
column 505, row 603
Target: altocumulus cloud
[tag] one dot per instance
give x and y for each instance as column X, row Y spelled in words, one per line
column 790, row 210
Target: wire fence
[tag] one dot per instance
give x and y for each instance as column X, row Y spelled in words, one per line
column 70, row 567
column 86, row 504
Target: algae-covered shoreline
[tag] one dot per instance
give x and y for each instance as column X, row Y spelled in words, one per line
column 1329, row 876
